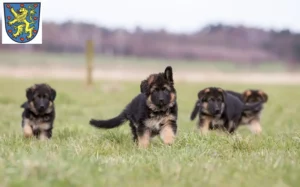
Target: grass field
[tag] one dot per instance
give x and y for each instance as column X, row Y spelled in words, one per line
column 80, row 155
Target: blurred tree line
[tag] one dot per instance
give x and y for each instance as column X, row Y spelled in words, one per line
column 214, row 42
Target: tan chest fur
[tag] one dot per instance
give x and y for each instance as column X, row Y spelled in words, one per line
column 38, row 124
column 217, row 122
column 157, row 122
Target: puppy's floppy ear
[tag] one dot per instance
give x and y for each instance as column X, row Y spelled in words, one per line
column 29, row 93
column 224, row 94
column 169, row 74
column 246, row 94
column 143, row 86
column 53, row 94
column 202, row 93
column 24, row 105
column 196, row 110
column 263, row 95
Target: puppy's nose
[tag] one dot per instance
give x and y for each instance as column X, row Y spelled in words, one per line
column 42, row 107
column 217, row 110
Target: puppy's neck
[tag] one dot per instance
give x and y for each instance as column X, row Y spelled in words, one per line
column 159, row 113
column 217, row 116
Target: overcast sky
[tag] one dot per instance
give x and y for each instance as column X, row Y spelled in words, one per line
column 177, row 15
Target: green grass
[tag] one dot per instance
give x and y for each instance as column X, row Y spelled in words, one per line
column 80, row 155
column 78, row 60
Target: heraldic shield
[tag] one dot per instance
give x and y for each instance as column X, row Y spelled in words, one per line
column 22, row 20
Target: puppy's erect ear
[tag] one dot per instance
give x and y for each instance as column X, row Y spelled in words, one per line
column 263, row 95
column 246, row 94
column 169, row 74
column 53, row 94
column 202, row 93
column 29, row 93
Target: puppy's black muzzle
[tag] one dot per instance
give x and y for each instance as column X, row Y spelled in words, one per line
column 42, row 106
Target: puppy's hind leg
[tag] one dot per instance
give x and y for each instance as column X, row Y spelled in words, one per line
column 144, row 136
column 134, row 132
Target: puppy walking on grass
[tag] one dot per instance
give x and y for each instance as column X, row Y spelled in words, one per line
column 252, row 118
column 152, row 112
column 39, row 113
column 218, row 109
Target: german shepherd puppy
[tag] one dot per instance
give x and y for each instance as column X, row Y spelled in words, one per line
column 218, row 109
column 251, row 118
column 151, row 113
column 39, row 112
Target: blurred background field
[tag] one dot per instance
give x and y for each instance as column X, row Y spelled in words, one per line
column 73, row 66
column 9, row 58
column 231, row 44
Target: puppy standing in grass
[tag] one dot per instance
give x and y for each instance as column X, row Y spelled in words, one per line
column 152, row 112
column 251, row 118
column 39, row 113
column 218, row 109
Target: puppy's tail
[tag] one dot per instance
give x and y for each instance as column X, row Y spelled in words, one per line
column 110, row 123
column 257, row 106
column 196, row 110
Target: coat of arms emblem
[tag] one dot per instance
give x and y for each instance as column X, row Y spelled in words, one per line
column 22, row 22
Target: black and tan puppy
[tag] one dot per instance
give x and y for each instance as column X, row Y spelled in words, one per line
column 251, row 118
column 39, row 112
column 151, row 113
column 218, row 109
